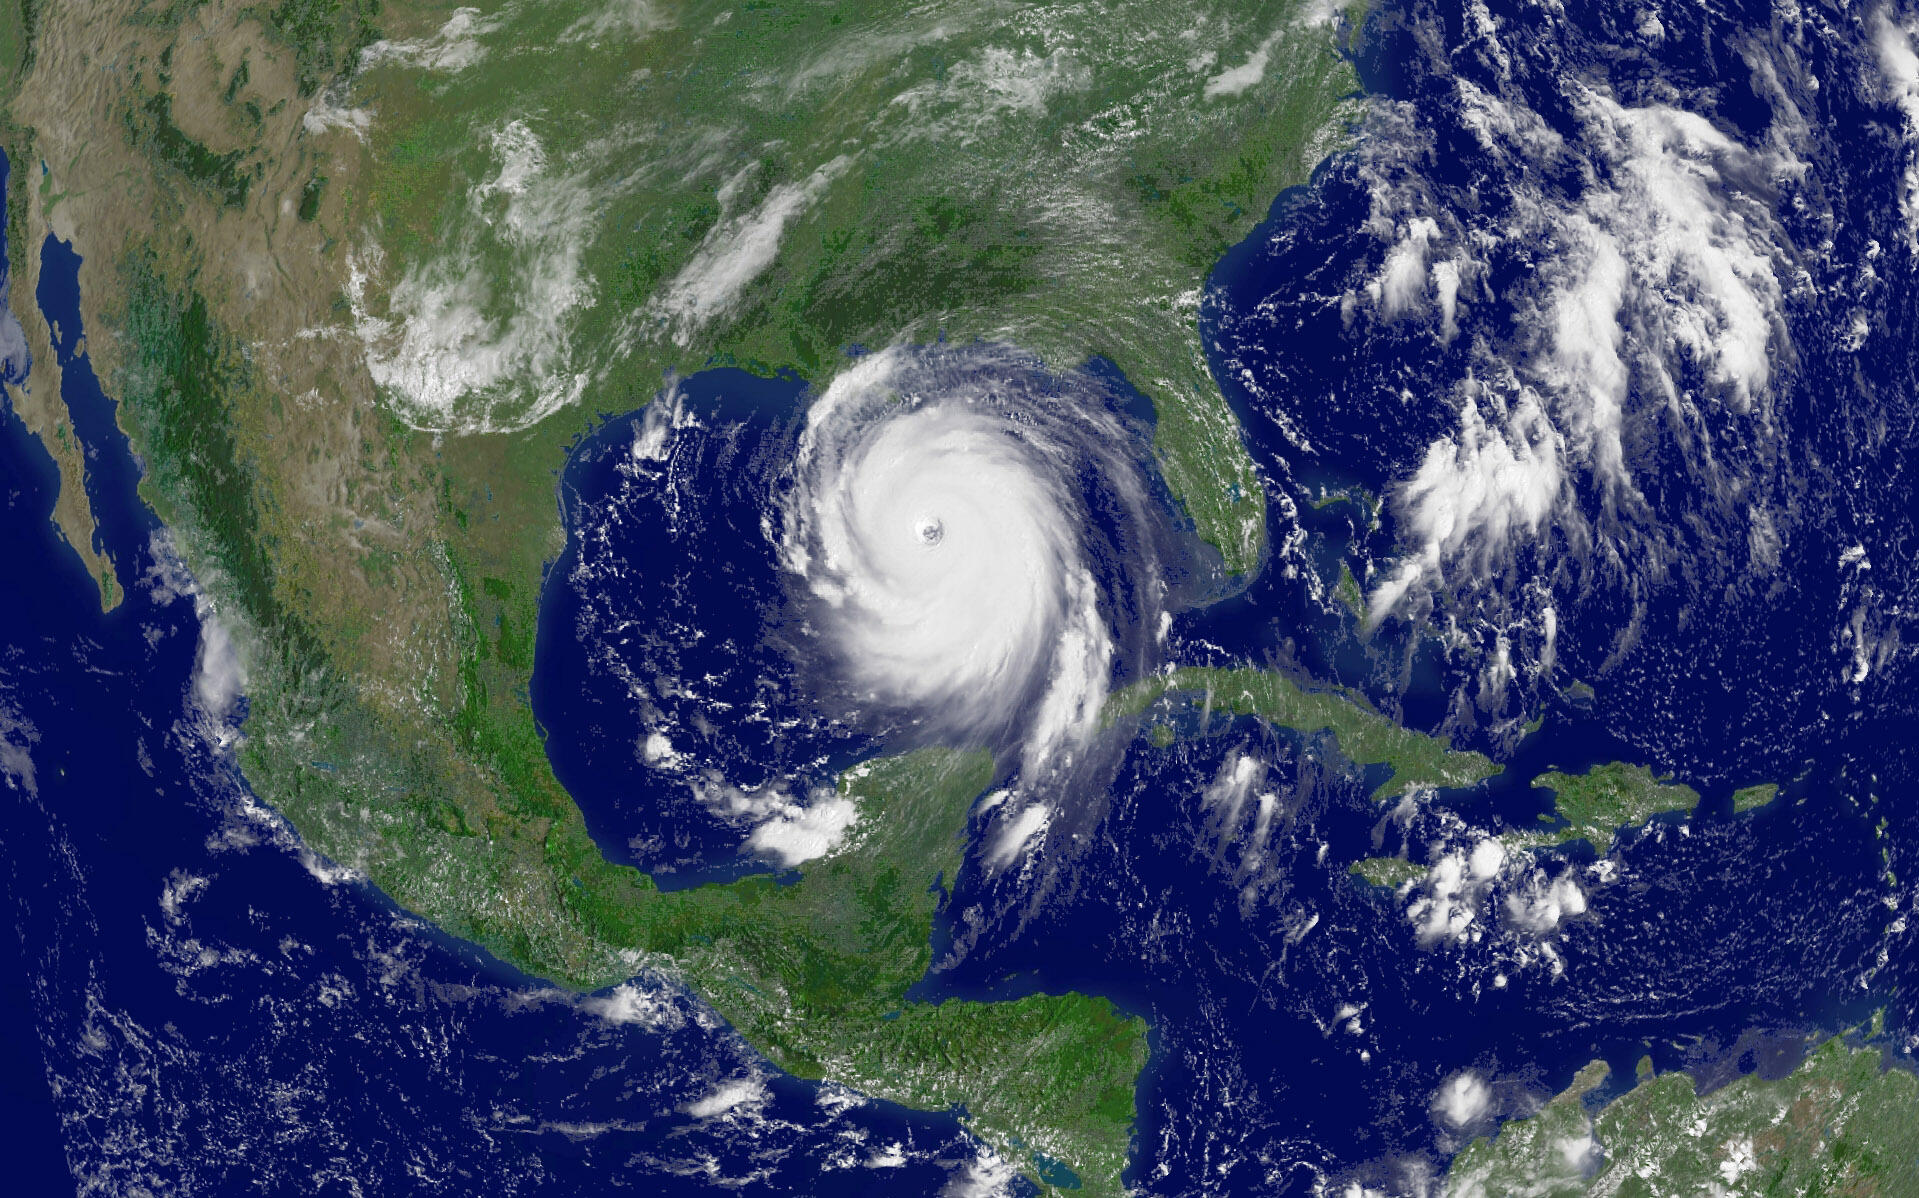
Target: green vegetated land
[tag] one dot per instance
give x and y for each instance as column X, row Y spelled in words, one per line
column 771, row 185
column 1364, row 736
column 1348, row 592
column 815, row 975
column 1389, row 872
column 1751, row 798
column 1840, row 1124
column 1598, row 803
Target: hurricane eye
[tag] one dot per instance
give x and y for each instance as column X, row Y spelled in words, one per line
column 930, row 531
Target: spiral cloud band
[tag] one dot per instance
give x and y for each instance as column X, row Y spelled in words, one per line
column 968, row 527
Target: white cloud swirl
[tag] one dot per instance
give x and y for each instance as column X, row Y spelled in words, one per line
column 940, row 523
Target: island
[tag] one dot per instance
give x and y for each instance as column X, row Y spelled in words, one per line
column 1751, row 798
column 1597, row 804
column 1364, row 736
column 1388, row 872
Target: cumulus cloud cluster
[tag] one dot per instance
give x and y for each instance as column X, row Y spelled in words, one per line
column 1019, row 833
column 1465, row 1099
column 1234, row 80
column 1243, row 811
column 1476, row 887
column 1894, row 43
column 795, row 834
column 17, row 737
column 219, row 676
column 479, row 338
column 978, row 94
column 1662, row 268
column 455, row 46
column 785, row 830
column 740, row 1097
column 632, row 1002
column 631, row 19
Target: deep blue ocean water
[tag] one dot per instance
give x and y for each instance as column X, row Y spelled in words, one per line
column 214, row 1011
column 691, row 533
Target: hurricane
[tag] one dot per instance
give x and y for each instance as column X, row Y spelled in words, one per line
column 974, row 540
column 770, row 581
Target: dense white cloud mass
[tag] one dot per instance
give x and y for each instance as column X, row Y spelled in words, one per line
column 797, row 834
column 1464, row 1099
column 938, row 522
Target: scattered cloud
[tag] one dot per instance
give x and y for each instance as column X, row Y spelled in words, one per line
column 1899, row 64
column 479, row 338
column 621, row 18
column 744, row 1095
column 735, row 252
column 1235, row 80
column 978, row 94
column 219, row 676
column 988, row 1175
column 1540, row 904
column 17, row 738
column 331, row 111
column 455, row 46
column 1019, row 832
column 797, row 834
column 1463, row 1100
column 653, row 1009
column 1667, row 262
